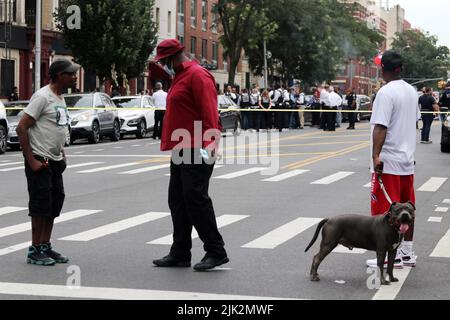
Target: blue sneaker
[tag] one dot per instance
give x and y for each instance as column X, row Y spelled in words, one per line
column 46, row 248
column 35, row 256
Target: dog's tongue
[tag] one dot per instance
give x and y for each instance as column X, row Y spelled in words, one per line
column 404, row 228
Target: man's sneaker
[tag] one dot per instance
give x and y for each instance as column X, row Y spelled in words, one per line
column 47, row 249
column 35, row 256
column 398, row 263
column 409, row 258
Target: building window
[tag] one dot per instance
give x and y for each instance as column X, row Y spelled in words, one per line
column 30, row 12
column 169, row 22
column 7, row 79
column 157, row 18
column 215, row 52
column 204, row 14
column 204, row 48
column 8, row 10
column 214, row 22
column 194, row 13
column 181, row 39
column 181, row 11
column 193, row 46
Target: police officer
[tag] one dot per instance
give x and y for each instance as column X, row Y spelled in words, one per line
column 444, row 101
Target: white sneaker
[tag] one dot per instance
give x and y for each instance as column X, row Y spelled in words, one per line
column 409, row 258
column 398, row 263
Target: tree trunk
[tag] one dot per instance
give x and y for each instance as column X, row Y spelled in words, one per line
column 232, row 72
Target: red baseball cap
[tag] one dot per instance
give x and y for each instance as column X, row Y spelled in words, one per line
column 168, row 48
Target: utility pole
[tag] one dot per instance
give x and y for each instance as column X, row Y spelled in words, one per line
column 266, row 81
column 38, row 46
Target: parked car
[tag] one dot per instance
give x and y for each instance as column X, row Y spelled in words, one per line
column 363, row 103
column 3, row 128
column 445, row 139
column 231, row 119
column 140, row 119
column 93, row 115
column 14, row 116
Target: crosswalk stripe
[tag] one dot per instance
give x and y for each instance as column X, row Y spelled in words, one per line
column 432, row 185
column 240, row 173
column 441, row 209
column 117, row 166
column 6, row 210
column 369, row 185
column 83, row 165
column 12, row 169
column 14, row 248
column 82, row 292
column 3, row 161
column 147, row 169
column 282, row 234
column 446, row 201
column 342, row 249
column 222, row 221
column 435, row 219
column 442, row 249
column 7, row 231
column 115, row 227
column 333, row 178
column 390, row 292
column 10, row 164
column 286, row 175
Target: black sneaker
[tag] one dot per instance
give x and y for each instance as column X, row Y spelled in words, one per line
column 47, row 249
column 35, row 256
column 209, row 263
column 171, row 262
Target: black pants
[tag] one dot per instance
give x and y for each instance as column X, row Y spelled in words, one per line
column 331, row 119
column 159, row 121
column 351, row 118
column 427, row 122
column 325, row 118
column 190, row 205
column 316, row 116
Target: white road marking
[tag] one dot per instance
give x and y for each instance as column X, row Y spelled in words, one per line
column 442, row 249
column 390, row 292
column 18, row 228
column 87, row 164
column 3, row 161
column 286, row 175
column 117, row 147
column 441, row 209
column 79, row 152
column 147, row 169
column 222, row 221
column 432, row 185
column 240, row 173
column 333, row 178
column 215, row 167
column 12, row 169
column 98, row 150
column 117, row 166
column 342, row 249
column 118, row 156
column 435, row 219
column 28, row 289
column 136, row 145
column 446, row 201
column 282, row 234
column 369, row 185
column 6, row 210
column 115, row 227
column 10, row 164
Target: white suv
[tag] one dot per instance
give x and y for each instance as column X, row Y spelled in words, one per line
column 140, row 116
column 3, row 128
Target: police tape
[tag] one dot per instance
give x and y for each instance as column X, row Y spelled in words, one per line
column 236, row 110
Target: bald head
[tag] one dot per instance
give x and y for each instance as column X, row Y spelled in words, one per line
column 158, row 86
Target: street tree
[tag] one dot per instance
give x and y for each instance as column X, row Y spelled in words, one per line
column 115, row 37
column 423, row 57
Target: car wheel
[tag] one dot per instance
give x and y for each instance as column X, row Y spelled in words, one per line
column 115, row 136
column 68, row 138
column 237, row 127
column 95, row 135
column 141, row 130
column 2, row 139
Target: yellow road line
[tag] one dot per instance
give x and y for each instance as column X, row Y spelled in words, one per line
column 303, row 163
column 157, row 160
column 321, row 143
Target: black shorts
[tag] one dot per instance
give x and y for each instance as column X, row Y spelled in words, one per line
column 46, row 189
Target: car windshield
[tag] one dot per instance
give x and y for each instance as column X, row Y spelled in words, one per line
column 18, row 109
column 79, row 102
column 128, row 102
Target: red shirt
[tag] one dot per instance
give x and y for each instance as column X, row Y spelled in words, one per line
column 192, row 97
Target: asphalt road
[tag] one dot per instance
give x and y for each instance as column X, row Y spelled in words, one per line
column 116, row 221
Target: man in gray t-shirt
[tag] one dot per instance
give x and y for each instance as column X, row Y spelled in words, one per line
column 42, row 132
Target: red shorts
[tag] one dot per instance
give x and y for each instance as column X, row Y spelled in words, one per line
column 399, row 188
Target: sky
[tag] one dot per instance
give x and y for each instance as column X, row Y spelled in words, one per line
column 430, row 15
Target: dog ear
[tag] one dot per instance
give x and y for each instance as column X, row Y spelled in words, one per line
column 412, row 204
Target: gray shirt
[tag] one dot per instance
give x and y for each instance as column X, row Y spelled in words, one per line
column 48, row 135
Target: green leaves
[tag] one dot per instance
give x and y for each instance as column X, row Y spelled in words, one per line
column 119, row 33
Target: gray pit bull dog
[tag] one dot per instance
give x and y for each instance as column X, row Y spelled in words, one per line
column 382, row 234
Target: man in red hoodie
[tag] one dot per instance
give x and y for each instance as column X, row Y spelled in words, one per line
column 191, row 132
